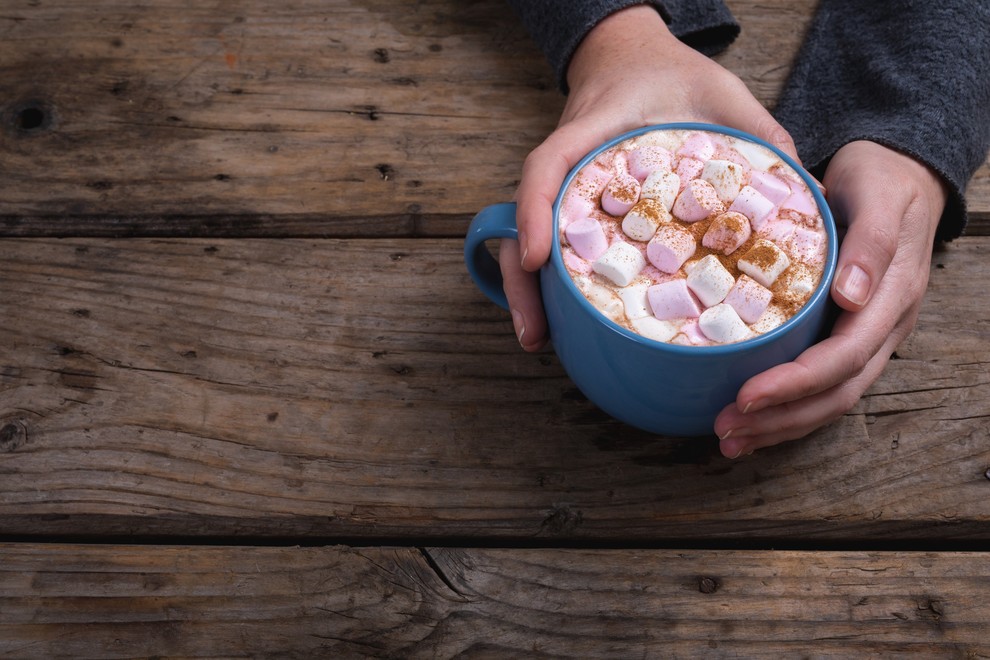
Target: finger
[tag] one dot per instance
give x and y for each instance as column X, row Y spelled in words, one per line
column 525, row 305
column 543, row 173
column 793, row 420
column 872, row 209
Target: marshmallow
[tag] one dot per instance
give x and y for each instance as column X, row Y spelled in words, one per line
column 620, row 194
column 725, row 176
column 758, row 156
column 587, row 238
column 688, row 169
column 805, row 244
column 799, row 281
column 802, row 202
column 620, row 263
column 602, row 297
column 655, row 329
column 772, row 318
column 752, row 204
column 709, row 280
column 727, row 232
column 663, row 187
column 646, row 160
column 574, row 208
column 749, row 298
column 635, row 301
column 673, row 300
column 643, row 220
column 721, row 323
column 670, row 248
column 764, row 262
column 698, row 146
column 690, row 335
column 770, row 186
column 697, row 201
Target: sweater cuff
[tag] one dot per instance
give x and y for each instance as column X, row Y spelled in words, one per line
column 877, row 72
column 559, row 26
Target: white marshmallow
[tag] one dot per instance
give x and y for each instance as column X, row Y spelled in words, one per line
column 721, row 323
column 726, row 178
column 634, row 300
column 772, row 318
column 758, row 156
column 710, row 281
column 602, row 297
column 655, row 329
column 620, row 263
column 663, row 187
column 764, row 262
column 643, row 220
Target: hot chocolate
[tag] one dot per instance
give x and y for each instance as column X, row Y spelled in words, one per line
column 692, row 237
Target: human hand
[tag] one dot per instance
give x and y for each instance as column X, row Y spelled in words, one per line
column 890, row 205
column 628, row 72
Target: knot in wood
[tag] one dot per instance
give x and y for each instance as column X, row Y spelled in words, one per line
column 13, row 434
column 708, row 585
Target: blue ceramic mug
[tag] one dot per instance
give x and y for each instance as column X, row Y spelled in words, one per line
column 663, row 388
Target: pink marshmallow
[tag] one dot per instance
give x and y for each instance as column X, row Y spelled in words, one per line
column 752, row 204
column 574, row 208
column 697, row 201
column 670, row 248
column 698, row 146
column 645, row 160
column 770, row 186
column 673, row 300
column 691, row 335
column 806, row 243
column 587, row 238
column 621, row 193
column 749, row 298
column 801, row 202
column 727, row 232
column 688, row 169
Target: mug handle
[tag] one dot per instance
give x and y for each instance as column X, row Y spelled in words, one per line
column 495, row 221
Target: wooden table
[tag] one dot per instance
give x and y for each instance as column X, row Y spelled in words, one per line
column 251, row 403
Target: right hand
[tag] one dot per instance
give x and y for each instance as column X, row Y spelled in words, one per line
column 628, row 72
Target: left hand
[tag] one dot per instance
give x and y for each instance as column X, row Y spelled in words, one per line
column 891, row 205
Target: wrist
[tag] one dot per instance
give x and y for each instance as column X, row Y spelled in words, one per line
column 628, row 35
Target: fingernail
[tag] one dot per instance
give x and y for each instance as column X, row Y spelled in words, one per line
column 854, row 284
column 755, row 406
column 520, row 325
column 522, row 259
column 727, row 434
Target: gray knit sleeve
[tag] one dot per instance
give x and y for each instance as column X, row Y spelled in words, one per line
column 909, row 74
column 558, row 26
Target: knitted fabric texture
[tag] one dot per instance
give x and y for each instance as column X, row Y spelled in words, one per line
column 909, row 74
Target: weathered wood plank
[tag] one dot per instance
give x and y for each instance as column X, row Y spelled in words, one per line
column 364, row 388
column 292, row 119
column 132, row 601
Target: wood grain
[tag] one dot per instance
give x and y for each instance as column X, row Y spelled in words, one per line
column 305, row 118
column 342, row 602
column 365, row 388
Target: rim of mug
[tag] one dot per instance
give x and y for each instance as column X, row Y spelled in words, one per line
column 822, row 290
